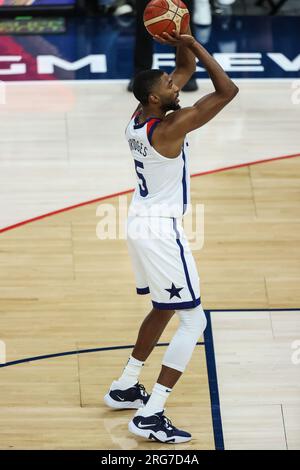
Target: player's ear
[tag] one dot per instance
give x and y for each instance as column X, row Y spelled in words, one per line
column 153, row 99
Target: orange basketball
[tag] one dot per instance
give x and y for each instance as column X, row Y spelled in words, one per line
column 166, row 15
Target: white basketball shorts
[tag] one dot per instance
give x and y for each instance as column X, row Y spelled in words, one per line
column 163, row 263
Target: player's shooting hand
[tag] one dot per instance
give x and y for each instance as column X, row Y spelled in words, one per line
column 175, row 39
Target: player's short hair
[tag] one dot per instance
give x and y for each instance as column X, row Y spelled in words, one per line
column 144, row 82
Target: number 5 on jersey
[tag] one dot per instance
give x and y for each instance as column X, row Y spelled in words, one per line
column 142, row 185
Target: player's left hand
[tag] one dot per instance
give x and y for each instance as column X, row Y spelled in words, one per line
column 174, row 39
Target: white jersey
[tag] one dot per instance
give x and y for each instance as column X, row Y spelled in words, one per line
column 162, row 261
column 163, row 184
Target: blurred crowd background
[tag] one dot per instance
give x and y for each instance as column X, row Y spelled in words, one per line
column 204, row 9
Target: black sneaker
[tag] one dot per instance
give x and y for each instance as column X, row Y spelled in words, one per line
column 158, row 428
column 134, row 397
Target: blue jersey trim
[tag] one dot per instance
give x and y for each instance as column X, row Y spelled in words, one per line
column 143, row 291
column 184, row 191
column 151, row 131
column 183, row 261
column 177, row 305
column 139, row 126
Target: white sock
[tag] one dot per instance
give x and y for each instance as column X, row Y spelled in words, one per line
column 157, row 400
column 131, row 372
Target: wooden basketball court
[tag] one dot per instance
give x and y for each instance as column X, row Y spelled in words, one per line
column 70, row 315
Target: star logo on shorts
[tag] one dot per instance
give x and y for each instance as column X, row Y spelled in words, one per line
column 174, row 291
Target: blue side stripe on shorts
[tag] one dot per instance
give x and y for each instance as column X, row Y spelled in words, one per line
column 184, row 192
column 143, row 291
column 183, row 261
column 177, row 305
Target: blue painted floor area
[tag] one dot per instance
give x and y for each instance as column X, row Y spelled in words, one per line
column 102, row 48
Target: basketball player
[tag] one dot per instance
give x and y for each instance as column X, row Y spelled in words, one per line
column 162, row 260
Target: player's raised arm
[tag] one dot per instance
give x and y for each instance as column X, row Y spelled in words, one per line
column 188, row 119
column 185, row 62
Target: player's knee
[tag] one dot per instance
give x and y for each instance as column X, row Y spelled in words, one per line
column 191, row 327
column 192, row 321
column 164, row 316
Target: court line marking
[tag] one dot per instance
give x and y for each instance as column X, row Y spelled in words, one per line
column 213, row 384
column 211, row 373
column 76, row 352
column 128, row 191
column 210, row 363
column 212, row 369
